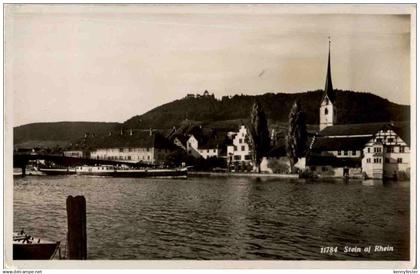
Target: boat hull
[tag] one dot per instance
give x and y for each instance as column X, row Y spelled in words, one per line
column 37, row 251
column 57, row 171
column 164, row 173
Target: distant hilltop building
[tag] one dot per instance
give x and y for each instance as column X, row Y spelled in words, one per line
column 369, row 150
column 205, row 94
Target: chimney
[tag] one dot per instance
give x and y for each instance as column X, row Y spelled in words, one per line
column 131, row 132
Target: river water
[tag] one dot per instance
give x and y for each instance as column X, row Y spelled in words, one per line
column 221, row 218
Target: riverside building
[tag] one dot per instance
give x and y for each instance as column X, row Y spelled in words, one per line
column 133, row 146
column 369, row 150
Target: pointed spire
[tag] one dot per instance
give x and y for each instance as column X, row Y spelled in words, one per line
column 329, row 91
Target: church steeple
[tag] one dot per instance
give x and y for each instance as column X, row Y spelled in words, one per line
column 329, row 91
column 327, row 110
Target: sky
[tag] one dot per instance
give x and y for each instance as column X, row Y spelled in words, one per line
column 109, row 63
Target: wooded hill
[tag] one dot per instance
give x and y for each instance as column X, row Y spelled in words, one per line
column 352, row 107
column 57, row 134
column 226, row 113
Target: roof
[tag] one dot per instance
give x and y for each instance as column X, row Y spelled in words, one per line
column 138, row 138
column 402, row 129
column 335, row 144
column 329, row 91
column 216, row 139
column 353, row 129
column 181, row 137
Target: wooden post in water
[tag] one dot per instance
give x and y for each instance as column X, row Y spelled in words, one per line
column 76, row 228
column 23, row 170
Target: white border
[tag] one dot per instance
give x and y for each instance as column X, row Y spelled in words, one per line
column 160, row 264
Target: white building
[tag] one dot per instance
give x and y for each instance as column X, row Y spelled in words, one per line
column 135, row 146
column 372, row 150
column 204, row 146
column 239, row 151
column 386, row 155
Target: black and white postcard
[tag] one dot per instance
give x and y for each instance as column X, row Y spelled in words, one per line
column 210, row 135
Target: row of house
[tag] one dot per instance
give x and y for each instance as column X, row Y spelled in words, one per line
column 373, row 150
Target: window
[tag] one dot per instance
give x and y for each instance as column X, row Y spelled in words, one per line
column 147, row 149
column 379, row 140
column 377, row 160
column 128, row 157
column 401, row 149
column 121, row 150
column 390, row 140
column 240, row 140
column 368, row 160
column 399, row 160
column 208, row 150
column 214, row 150
column 377, row 149
column 390, row 149
column 148, row 157
column 121, row 157
column 235, row 148
column 324, row 168
column 326, row 111
column 353, row 152
column 368, row 149
column 237, row 157
column 326, row 101
column 247, row 157
column 346, row 152
column 243, row 148
column 339, row 152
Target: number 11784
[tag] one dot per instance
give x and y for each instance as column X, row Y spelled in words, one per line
column 329, row 249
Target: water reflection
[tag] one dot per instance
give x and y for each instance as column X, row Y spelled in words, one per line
column 220, row 218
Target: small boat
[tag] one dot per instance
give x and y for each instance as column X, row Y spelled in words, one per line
column 57, row 171
column 109, row 170
column 26, row 247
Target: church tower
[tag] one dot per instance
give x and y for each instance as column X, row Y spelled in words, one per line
column 327, row 111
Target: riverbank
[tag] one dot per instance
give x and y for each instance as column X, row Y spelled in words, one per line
column 241, row 174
